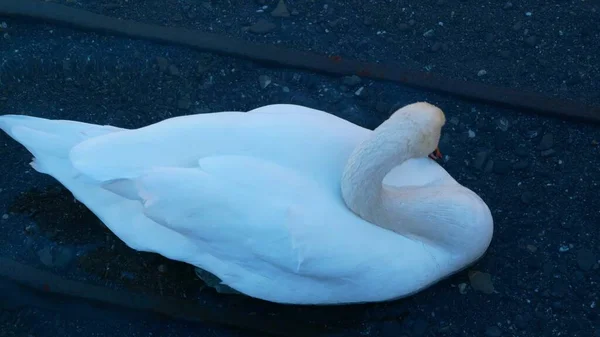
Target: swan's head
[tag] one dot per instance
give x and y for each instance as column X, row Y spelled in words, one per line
column 422, row 123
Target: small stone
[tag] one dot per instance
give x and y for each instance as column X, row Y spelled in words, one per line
column 471, row 134
column 462, row 288
column 63, row 257
column 45, row 256
column 173, row 70
column 531, row 41
column 420, row 327
column 501, row 166
column 481, row 282
column 521, row 165
column 480, row 159
column 508, row 5
column 489, row 167
column 184, row 103
column 548, row 153
column 163, row 63
column 522, row 321
column 505, row 54
column 360, row 92
column 429, row 33
column 531, row 134
column 517, row 26
column 264, row 81
column 531, row 248
column 521, row 151
column 559, row 288
column 502, row 124
column 281, row 10
column 351, row 81
column 586, row 259
column 382, row 107
column 527, row 197
column 547, row 142
column 262, row 26
column 482, row 72
column 162, row 268
column 4, row 216
column 493, row 331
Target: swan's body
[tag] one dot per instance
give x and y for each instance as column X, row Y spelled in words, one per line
column 265, row 199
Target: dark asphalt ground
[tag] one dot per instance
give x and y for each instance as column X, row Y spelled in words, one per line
column 539, row 175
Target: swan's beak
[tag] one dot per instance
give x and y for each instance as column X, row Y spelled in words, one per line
column 435, row 155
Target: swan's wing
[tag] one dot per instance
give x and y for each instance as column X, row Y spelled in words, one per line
column 250, row 221
column 306, row 139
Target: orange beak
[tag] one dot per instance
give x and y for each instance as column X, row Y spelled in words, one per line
column 435, row 155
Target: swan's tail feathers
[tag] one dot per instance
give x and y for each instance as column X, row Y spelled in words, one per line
column 46, row 138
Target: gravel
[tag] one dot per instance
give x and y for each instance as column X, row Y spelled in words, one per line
column 549, row 47
column 543, row 262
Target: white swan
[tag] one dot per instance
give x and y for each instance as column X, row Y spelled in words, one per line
column 264, row 200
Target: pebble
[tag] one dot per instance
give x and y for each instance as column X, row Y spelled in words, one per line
column 517, row 26
column 559, row 289
column 521, row 151
column 489, row 167
column 482, row 72
column 522, row 321
column 521, row 165
column 508, row 5
column 163, row 63
column 173, row 70
column 493, row 331
column 351, row 81
column 548, row 153
column 436, row 46
column 264, row 81
column 503, row 124
column 45, row 256
column 63, row 257
column 262, row 26
column 531, row 40
column 184, row 103
column 547, row 142
column 281, row 11
column 420, row 327
column 586, row 259
column 480, row 159
column 162, row 268
column 527, row 197
column 501, row 166
column 382, row 107
column 531, row 134
column 4, row 216
column 481, row 282
column 403, row 27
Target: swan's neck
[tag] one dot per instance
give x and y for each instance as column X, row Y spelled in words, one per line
column 367, row 166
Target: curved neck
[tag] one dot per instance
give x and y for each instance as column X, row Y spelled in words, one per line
column 369, row 163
